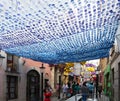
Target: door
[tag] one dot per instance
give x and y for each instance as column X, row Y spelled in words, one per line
column 33, row 86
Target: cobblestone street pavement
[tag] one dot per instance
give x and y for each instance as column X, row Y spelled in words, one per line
column 54, row 98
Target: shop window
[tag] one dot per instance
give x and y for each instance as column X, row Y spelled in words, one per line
column 12, row 87
column 12, row 62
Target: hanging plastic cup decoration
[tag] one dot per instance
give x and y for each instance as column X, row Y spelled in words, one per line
column 91, row 69
column 93, row 73
column 69, row 64
column 83, row 62
column 89, row 65
column 59, row 31
column 82, row 73
column 68, row 69
column 65, row 73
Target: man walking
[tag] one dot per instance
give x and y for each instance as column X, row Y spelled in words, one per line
column 85, row 92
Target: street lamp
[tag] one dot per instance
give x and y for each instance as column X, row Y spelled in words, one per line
column 42, row 68
column 97, row 79
column 59, row 85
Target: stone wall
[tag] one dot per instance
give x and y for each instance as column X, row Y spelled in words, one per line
column 116, row 82
column 22, row 77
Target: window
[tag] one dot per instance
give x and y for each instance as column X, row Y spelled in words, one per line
column 12, row 62
column 12, row 87
column 113, row 75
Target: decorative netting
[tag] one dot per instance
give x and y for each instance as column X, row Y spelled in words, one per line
column 58, row 31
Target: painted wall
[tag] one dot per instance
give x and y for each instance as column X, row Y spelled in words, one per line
column 103, row 64
column 30, row 64
column 22, row 76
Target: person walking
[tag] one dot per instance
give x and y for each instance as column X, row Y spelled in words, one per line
column 85, row 92
column 100, row 89
column 90, row 86
column 57, row 90
column 74, row 88
column 65, row 89
column 77, row 88
column 69, row 90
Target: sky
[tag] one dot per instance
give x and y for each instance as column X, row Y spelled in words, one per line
column 95, row 62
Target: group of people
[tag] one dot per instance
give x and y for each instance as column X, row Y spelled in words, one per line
column 72, row 88
column 86, row 89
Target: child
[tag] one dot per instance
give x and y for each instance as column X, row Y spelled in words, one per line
column 47, row 95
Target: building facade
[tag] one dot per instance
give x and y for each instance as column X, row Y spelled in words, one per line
column 102, row 66
column 115, row 73
column 20, row 78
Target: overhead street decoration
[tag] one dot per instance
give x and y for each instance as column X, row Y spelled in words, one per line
column 58, row 31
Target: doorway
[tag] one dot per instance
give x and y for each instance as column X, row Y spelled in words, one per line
column 33, row 86
column 119, row 81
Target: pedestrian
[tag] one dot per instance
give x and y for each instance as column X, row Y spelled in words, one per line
column 77, row 88
column 90, row 86
column 85, row 92
column 74, row 88
column 65, row 89
column 57, row 89
column 100, row 89
column 69, row 90
column 47, row 95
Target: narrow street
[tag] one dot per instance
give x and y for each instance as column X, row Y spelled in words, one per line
column 78, row 97
column 59, row 50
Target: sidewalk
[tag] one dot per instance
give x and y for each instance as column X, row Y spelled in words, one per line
column 54, row 98
column 103, row 98
column 78, row 96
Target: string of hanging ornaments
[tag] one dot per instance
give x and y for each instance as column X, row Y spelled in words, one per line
column 58, row 31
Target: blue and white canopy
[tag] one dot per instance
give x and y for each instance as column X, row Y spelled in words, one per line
column 58, row 31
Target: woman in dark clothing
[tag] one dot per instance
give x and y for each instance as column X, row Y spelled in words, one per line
column 85, row 92
column 100, row 89
column 73, row 88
